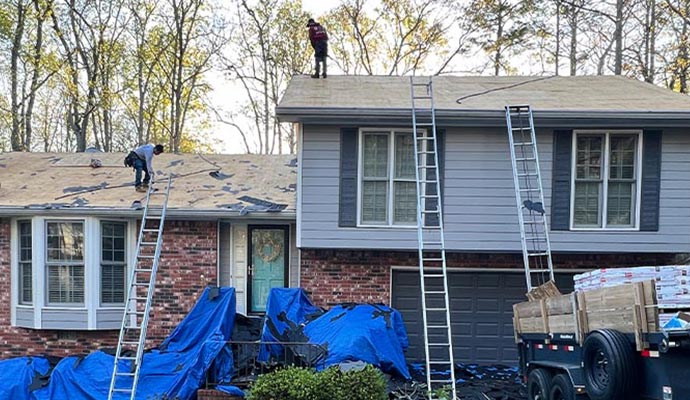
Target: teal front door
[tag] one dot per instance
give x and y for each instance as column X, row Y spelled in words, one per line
column 268, row 255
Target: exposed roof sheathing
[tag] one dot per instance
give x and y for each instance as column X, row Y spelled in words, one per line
column 238, row 184
column 481, row 93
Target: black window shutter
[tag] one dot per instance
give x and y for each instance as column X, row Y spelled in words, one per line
column 432, row 219
column 348, row 177
column 651, row 180
column 561, row 173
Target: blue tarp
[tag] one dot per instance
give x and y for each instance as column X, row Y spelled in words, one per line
column 286, row 311
column 176, row 370
column 374, row 334
column 17, row 375
column 360, row 332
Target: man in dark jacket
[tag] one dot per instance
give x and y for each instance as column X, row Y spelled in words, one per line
column 319, row 41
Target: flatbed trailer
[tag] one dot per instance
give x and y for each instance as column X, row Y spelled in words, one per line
column 603, row 344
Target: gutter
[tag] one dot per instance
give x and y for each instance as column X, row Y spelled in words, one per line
column 176, row 213
column 448, row 117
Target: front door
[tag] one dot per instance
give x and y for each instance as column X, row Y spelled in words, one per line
column 268, row 255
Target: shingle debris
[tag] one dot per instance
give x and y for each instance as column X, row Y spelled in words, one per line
column 73, row 189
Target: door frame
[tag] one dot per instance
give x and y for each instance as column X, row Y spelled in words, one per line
column 250, row 261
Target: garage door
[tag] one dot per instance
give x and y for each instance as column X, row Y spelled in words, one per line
column 481, row 313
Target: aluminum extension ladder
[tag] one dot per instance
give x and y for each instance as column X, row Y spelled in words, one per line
column 438, row 343
column 529, row 196
column 142, row 282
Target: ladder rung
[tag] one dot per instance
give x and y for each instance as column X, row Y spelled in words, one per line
column 140, row 284
column 425, row 138
column 143, row 270
column 435, row 292
column 523, row 144
column 126, row 358
column 429, row 211
column 149, row 243
column 437, row 326
column 521, row 129
column 530, row 190
column 439, row 362
column 528, row 174
column 439, row 344
column 122, row 390
column 432, row 259
column 539, row 271
column 526, row 159
column 434, row 276
column 424, row 124
column 422, row 97
column 537, row 254
column 124, row 373
column 151, row 229
column 147, row 257
column 425, row 152
column 437, row 309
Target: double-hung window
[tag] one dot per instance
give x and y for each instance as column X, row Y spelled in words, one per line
column 607, row 175
column 113, row 262
column 65, row 262
column 388, row 191
column 25, row 260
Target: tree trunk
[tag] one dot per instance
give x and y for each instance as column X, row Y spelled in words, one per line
column 17, row 118
column 499, row 36
column 558, row 36
column 573, row 42
column 618, row 35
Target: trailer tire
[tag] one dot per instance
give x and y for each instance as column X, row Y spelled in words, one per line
column 562, row 388
column 609, row 366
column 538, row 384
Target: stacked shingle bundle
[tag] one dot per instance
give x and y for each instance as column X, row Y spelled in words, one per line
column 672, row 283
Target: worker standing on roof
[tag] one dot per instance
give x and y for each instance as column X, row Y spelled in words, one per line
column 141, row 159
column 319, row 41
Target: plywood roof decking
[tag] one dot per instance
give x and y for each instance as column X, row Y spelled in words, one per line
column 245, row 183
column 579, row 93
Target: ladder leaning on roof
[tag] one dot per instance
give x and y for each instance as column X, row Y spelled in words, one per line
column 438, row 338
column 140, row 294
column 529, row 196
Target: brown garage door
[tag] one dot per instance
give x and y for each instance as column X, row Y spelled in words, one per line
column 481, row 313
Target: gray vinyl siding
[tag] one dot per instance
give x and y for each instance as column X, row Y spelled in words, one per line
column 65, row 319
column 109, row 319
column 479, row 202
column 25, row 317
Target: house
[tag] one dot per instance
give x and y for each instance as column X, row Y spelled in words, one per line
column 68, row 235
column 615, row 162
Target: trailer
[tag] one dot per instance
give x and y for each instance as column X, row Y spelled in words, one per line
column 602, row 344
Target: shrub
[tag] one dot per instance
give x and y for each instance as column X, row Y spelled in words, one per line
column 292, row 383
column 302, row 384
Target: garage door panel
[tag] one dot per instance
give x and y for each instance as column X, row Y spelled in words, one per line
column 481, row 306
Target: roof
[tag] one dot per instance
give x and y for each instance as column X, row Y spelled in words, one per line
column 213, row 185
column 577, row 96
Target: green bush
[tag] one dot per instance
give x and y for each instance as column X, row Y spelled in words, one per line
column 302, row 384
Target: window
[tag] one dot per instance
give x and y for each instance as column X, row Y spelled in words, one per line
column 113, row 262
column 25, row 259
column 606, row 180
column 65, row 262
column 388, row 194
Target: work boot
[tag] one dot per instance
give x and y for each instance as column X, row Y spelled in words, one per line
column 324, row 75
column 315, row 76
column 140, row 189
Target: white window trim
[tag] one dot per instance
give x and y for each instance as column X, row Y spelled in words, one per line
column 605, row 170
column 92, row 267
column 390, row 178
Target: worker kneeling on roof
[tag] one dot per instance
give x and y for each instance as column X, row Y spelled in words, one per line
column 141, row 159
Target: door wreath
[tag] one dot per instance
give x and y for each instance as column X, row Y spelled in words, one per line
column 268, row 241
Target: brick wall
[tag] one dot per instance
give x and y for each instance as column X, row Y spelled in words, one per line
column 187, row 265
column 336, row 276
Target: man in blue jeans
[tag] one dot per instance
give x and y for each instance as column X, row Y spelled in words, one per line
column 143, row 161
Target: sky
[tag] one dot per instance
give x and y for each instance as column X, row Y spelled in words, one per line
column 225, row 92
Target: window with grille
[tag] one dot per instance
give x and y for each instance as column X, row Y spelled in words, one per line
column 65, row 262
column 113, row 262
column 388, row 191
column 25, row 260
column 606, row 184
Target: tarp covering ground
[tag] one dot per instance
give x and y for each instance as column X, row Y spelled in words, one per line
column 371, row 333
column 175, row 370
column 17, row 376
